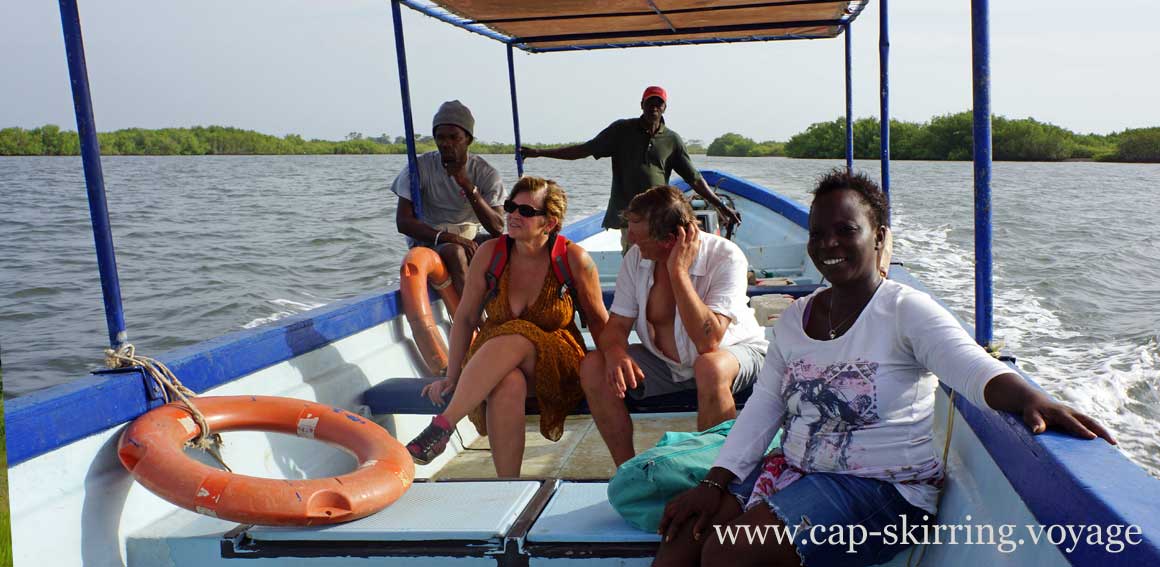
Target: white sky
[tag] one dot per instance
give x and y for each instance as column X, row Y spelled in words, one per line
column 324, row 68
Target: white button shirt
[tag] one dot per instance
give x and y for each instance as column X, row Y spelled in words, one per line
column 718, row 274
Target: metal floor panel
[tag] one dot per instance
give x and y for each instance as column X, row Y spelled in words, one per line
column 428, row 511
column 579, row 512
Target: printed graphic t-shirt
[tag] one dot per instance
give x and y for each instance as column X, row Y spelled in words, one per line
column 863, row 403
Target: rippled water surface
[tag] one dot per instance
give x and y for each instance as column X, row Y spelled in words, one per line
column 209, row 245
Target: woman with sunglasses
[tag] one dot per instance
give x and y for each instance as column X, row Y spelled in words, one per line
column 529, row 341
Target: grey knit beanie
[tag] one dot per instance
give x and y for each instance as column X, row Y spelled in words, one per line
column 453, row 112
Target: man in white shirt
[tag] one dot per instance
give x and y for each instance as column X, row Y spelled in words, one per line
column 684, row 293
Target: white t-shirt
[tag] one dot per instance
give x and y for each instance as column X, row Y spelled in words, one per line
column 718, row 274
column 863, row 403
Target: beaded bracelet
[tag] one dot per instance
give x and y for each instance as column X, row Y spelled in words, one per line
column 714, row 484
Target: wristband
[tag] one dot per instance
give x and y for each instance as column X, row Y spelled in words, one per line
column 714, row 484
column 437, row 235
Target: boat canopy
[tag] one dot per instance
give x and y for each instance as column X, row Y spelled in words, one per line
column 582, row 25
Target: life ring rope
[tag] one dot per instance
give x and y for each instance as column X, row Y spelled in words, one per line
column 126, row 357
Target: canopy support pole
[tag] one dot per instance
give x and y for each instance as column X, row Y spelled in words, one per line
column 981, row 64
column 408, row 123
column 94, row 177
column 515, row 111
column 849, row 104
column 884, row 83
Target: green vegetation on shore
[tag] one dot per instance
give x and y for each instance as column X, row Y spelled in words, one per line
column 945, row 137
column 950, row 137
column 50, row 140
column 736, row 145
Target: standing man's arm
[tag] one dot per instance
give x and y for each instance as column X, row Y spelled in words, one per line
column 579, row 151
column 603, row 145
column 704, row 327
column 702, row 188
column 683, row 165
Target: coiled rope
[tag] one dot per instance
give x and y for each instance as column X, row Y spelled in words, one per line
column 127, row 357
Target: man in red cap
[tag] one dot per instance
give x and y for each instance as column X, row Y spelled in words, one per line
column 644, row 153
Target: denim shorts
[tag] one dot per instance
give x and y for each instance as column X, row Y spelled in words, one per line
column 822, row 504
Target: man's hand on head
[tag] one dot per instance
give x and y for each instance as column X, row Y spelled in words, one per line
column 686, row 242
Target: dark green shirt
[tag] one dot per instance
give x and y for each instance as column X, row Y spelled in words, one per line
column 639, row 162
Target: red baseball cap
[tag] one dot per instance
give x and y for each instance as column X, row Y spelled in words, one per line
column 654, row 91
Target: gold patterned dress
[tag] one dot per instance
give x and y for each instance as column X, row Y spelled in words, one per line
column 549, row 323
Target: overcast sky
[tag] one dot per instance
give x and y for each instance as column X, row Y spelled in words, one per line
column 324, row 68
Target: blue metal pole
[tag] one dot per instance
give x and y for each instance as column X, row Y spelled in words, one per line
column 408, row 124
column 849, row 105
column 515, row 110
column 94, row 178
column 981, row 62
column 884, row 82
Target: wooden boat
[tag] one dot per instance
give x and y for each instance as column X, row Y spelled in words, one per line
column 73, row 502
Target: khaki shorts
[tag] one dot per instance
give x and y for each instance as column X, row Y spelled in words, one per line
column 659, row 378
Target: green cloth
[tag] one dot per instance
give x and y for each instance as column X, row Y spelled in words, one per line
column 639, row 162
column 644, row 484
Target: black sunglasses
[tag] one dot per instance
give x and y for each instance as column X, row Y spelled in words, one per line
column 526, row 211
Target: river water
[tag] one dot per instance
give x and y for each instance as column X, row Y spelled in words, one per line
column 210, row 245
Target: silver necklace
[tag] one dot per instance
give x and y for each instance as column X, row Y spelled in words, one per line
column 830, row 313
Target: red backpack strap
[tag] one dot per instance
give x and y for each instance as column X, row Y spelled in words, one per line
column 559, row 254
column 563, row 270
column 499, row 260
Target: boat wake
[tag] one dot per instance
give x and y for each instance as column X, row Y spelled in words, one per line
column 1113, row 379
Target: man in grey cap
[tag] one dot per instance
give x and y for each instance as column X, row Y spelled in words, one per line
column 459, row 193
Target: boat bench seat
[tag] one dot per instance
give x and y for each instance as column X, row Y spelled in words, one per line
column 579, row 512
column 401, row 396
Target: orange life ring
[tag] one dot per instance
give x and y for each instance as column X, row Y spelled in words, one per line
column 420, row 266
column 152, row 449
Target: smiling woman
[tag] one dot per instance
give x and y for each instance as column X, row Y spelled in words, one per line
column 847, row 379
column 847, row 235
